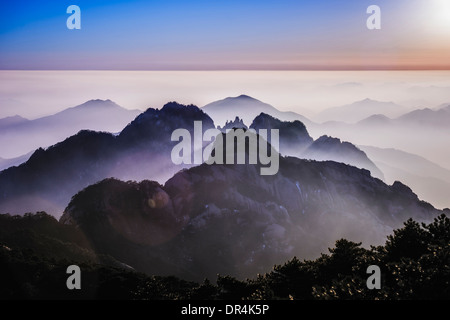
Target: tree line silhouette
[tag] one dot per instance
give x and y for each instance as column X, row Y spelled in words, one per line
column 36, row 249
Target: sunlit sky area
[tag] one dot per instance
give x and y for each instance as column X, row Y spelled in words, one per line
column 225, row 35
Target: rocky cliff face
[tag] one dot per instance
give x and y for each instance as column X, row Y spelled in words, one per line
column 229, row 219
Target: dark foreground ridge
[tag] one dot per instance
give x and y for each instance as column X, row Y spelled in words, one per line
column 35, row 251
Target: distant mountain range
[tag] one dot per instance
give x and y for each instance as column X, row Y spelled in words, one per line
column 382, row 124
column 12, row 121
column 430, row 181
column 6, row 163
column 360, row 110
column 366, row 122
column 99, row 115
column 425, row 118
column 247, row 109
column 424, row 132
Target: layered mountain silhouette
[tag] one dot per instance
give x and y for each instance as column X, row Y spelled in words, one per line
column 427, row 117
column 142, row 150
column 247, row 108
column 98, row 115
column 375, row 120
column 360, row 110
column 421, row 118
column 420, row 136
column 430, row 181
column 423, row 132
column 197, row 221
column 229, row 219
column 296, row 141
column 12, row 121
column 48, row 180
column 7, row 163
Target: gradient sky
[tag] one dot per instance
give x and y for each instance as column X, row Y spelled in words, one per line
column 224, row 34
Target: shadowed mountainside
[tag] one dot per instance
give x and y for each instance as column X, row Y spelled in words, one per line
column 48, row 180
column 229, row 219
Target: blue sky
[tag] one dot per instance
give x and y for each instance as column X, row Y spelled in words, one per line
column 216, row 34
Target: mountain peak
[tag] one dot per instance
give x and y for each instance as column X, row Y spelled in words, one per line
column 241, row 98
column 331, row 148
column 374, row 119
column 162, row 122
column 427, row 116
column 326, row 138
column 368, row 100
column 188, row 111
column 244, row 96
column 96, row 103
column 12, row 120
column 236, row 124
column 174, row 106
column 293, row 134
column 274, row 122
column 403, row 189
column 16, row 117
